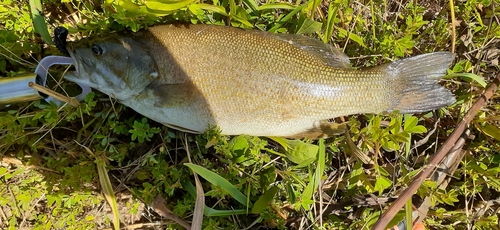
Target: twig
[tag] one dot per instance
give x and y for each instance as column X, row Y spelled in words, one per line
column 437, row 158
column 28, row 212
column 4, row 218
column 70, row 100
column 144, row 225
column 429, row 134
column 158, row 204
column 14, row 161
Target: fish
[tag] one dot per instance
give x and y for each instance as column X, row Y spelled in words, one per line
column 191, row 77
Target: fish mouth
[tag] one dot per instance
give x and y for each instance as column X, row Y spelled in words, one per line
column 76, row 75
column 76, row 62
column 79, row 75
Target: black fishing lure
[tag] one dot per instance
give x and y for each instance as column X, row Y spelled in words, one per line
column 60, row 35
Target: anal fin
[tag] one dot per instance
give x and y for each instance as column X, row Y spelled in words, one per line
column 181, row 129
column 323, row 130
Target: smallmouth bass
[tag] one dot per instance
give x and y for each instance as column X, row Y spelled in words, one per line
column 250, row 82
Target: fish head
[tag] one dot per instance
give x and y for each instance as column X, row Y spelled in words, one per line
column 116, row 65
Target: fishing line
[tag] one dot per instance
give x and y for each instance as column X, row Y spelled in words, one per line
column 16, row 59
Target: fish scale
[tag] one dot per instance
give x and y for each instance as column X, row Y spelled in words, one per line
column 190, row 77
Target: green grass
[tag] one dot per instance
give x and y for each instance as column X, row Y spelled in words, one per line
column 48, row 180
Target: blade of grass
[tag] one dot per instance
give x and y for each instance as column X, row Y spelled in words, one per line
column 127, row 4
column 320, row 169
column 408, row 205
column 287, row 18
column 39, row 21
column 332, row 14
column 453, row 30
column 214, row 212
column 200, row 195
column 213, row 8
column 490, row 130
column 272, row 6
column 470, row 76
column 198, row 206
column 167, row 7
column 312, row 7
column 252, row 5
column 107, row 188
column 314, row 183
column 239, row 14
column 374, row 34
column 217, row 180
column 189, row 187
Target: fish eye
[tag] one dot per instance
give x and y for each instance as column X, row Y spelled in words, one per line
column 97, row 50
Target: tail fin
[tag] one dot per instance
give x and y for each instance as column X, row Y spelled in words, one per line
column 415, row 80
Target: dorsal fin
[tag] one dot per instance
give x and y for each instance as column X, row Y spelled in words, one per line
column 328, row 54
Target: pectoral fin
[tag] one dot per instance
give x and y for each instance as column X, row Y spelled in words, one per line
column 182, row 98
column 174, row 95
